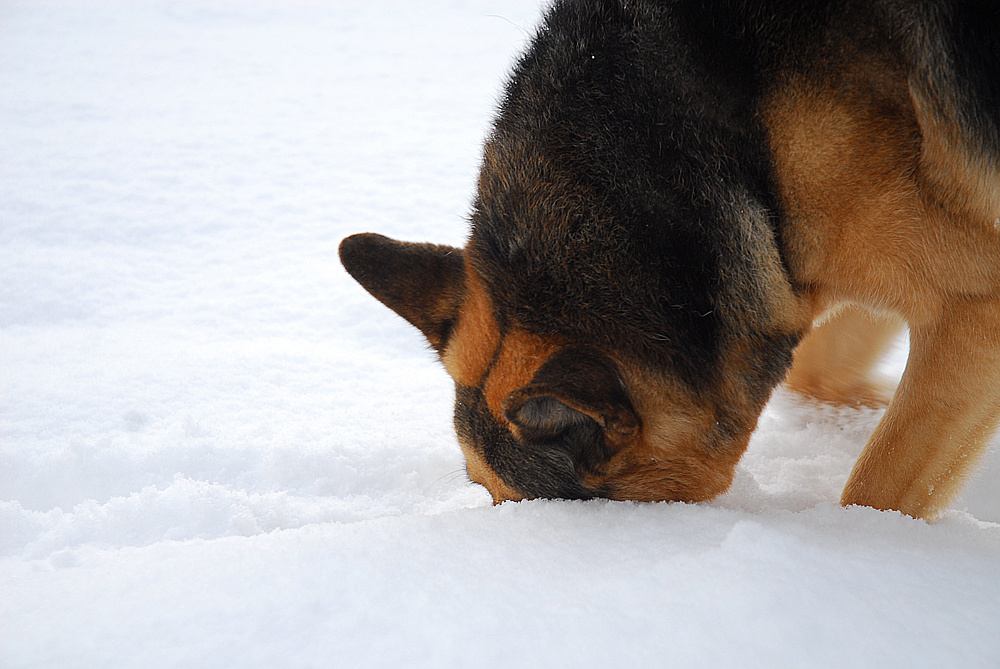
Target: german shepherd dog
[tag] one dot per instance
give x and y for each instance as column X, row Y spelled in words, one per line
column 683, row 203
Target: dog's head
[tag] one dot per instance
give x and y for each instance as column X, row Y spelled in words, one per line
column 621, row 312
column 556, row 397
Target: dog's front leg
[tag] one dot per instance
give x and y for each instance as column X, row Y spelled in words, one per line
column 941, row 418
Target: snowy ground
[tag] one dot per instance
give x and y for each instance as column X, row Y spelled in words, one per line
column 216, row 450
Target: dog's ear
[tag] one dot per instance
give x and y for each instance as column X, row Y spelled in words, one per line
column 577, row 400
column 423, row 283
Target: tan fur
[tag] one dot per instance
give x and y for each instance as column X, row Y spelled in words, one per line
column 474, row 344
column 521, row 354
column 887, row 210
column 475, row 339
column 480, row 472
column 671, row 458
column 946, row 407
column 847, row 178
column 467, row 357
column 835, row 361
column 957, row 179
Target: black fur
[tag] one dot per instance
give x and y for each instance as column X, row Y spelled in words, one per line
column 955, row 48
column 423, row 283
column 541, row 467
column 603, row 213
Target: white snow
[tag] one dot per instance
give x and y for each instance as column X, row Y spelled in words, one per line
column 217, row 450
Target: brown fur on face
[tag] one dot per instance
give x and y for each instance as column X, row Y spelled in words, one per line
column 476, row 338
column 648, row 445
column 680, row 455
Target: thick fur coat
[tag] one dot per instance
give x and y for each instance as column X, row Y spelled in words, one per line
column 683, row 203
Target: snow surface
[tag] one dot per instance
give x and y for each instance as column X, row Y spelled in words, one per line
column 217, row 450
